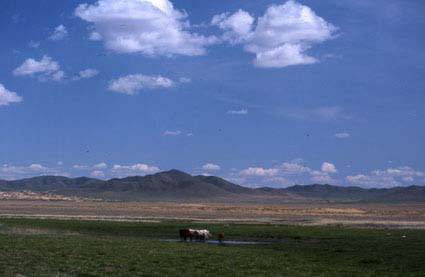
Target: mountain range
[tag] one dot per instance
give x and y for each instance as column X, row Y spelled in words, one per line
column 178, row 185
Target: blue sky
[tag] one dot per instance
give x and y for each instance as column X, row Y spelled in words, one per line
column 263, row 93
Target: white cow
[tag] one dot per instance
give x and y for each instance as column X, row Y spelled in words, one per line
column 202, row 234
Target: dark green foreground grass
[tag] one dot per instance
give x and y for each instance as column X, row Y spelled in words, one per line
column 77, row 248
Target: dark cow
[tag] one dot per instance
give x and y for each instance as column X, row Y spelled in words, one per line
column 186, row 233
column 220, row 237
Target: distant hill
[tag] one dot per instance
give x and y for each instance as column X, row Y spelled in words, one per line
column 169, row 185
column 333, row 193
column 178, row 185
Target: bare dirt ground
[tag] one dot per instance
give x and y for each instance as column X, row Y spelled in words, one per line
column 349, row 214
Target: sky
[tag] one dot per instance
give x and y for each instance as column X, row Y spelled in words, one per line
column 262, row 93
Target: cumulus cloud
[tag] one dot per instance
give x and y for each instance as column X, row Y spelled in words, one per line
column 172, row 133
column 390, row 177
column 7, row 96
column 342, row 135
column 100, row 166
column 185, row 80
column 320, row 177
column 286, row 174
column 330, row 113
column 329, row 168
column 369, row 181
column 131, row 170
column 45, row 69
column 211, row 166
column 294, row 168
column 34, row 44
column 150, row 27
column 133, row 84
column 12, row 172
column 238, row 112
column 281, row 36
column 59, row 33
column 238, row 26
column 80, row 167
column 97, row 174
column 37, row 167
column 259, row 171
column 86, row 74
column 95, row 36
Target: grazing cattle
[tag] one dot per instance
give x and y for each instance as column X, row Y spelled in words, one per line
column 186, row 233
column 200, row 235
column 220, row 237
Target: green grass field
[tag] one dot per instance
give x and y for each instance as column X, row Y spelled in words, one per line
column 33, row 247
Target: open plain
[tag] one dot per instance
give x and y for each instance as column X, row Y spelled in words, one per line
column 310, row 213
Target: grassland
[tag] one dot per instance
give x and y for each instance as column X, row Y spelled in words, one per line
column 311, row 213
column 37, row 247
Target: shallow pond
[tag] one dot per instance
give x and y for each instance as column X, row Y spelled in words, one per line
column 233, row 242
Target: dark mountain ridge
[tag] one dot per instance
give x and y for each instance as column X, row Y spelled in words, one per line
column 178, row 185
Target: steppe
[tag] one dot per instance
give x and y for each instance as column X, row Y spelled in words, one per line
column 378, row 215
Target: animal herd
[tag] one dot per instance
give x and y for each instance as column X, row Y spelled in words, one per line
column 194, row 234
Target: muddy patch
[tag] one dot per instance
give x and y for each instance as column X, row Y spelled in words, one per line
column 230, row 242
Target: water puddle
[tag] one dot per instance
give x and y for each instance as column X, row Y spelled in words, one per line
column 230, row 242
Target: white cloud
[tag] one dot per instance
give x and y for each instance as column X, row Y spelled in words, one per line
column 282, row 56
column 279, row 181
column 211, row 166
column 7, row 96
column 390, row 177
column 369, row 181
column 11, row 172
column 97, row 174
column 100, row 166
column 86, row 74
column 59, row 33
column 185, row 80
column 34, row 44
column 281, row 36
column 150, row 27
column 321, row 177
column 259, row 171
column 80, row 167
column 238, row 27
column 135, row 169
column 133, row 84
column 342, row 135
column 238, row 112
column 402, row 171
column 286, row 174
column 329, row 168
column 172, row 133
column 408, row 179
column 95, row 36
column 294, row 168
column 45, row 69
column 318, row 114
column 37, row 167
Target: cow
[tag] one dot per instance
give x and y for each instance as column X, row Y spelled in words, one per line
column 186, row 233
column 199, row 235
column 220, row 237
column 202, row 235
